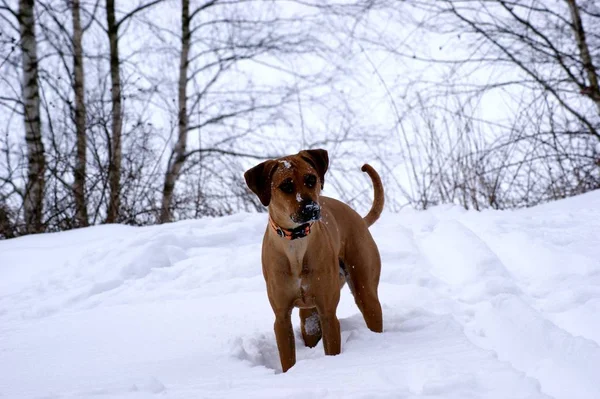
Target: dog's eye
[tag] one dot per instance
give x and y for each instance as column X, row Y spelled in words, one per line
column 287, row 187
column 310, row 181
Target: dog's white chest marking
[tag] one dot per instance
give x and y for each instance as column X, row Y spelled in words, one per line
column 304, row 285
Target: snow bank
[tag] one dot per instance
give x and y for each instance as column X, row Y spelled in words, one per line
column 476, row 305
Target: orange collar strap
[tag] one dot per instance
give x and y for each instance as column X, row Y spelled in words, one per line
column 299, row 232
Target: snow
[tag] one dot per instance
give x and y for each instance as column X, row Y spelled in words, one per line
column 286, row 164
column 476, row 305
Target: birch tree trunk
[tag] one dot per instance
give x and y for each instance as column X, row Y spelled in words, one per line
column 114, row 168
column 593, row 89
column 36, row 163
column 81, row 214
column 178, row 154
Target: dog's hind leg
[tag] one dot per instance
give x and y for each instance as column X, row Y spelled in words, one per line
column 363, row 268
column 311, row 327
column 368, row 302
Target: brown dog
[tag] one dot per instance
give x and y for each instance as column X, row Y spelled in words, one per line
column 311, row 246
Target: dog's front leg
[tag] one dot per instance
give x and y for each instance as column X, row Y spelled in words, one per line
column 284, row 334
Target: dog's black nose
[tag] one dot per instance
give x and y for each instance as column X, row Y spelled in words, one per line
column 309, row 210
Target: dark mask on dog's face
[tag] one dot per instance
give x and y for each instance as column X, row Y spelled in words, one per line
column 290, row 186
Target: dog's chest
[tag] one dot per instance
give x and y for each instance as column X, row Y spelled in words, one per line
column 301, row 279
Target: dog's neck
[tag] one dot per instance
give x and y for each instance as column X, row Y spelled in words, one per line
column 291, row 234
column 294, row 249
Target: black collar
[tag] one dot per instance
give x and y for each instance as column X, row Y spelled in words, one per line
column 298, row 232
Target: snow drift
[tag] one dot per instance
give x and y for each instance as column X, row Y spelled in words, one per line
column 476, row 305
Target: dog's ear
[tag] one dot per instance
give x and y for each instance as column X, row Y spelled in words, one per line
column 259, row 179
column 318, row 159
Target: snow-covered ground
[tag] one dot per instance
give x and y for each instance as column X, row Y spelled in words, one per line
column 476, row 305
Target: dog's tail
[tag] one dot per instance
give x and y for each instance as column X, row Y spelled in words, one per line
column 378, row 199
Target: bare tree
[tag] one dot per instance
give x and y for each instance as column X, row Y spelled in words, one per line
column 592, row 89
column 539, row 57
column 217, row 97
column 114, row 168
column 178, row 154
column 7, row 230
column 533, row 34
column 34, row 193
column 79, row 171
column 169, row 120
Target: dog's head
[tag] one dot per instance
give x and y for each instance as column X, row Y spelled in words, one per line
column 290, row 186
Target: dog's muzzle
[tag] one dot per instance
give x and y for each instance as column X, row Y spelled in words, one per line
column 309, row 211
